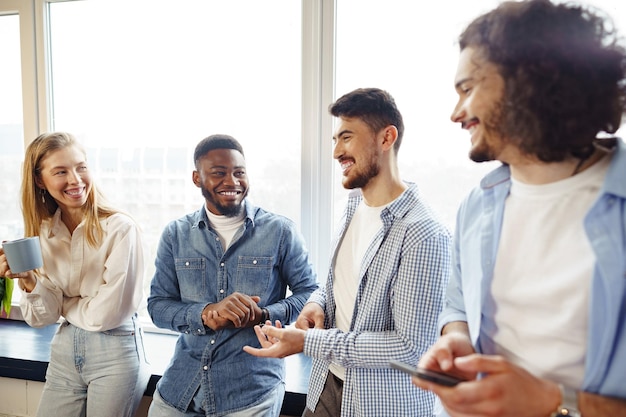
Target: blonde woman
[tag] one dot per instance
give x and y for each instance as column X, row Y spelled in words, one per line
column 92, row 278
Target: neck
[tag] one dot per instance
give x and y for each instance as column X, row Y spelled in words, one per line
column 383, row 189
column 536, row 172
column 71, row 219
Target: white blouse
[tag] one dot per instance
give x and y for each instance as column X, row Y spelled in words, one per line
column 96, row 289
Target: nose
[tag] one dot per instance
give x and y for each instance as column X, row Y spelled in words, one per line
column 458, row 113
column 231, row 179
column 337, row 150
column 74, row 177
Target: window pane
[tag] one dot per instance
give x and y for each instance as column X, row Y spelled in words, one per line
column 11, row 129
column 414, row 57
column 141, row 82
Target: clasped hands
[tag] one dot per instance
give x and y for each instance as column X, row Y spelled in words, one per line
column 236, row 310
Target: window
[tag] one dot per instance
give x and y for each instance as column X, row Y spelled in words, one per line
column 141, row 82
column 11, row 127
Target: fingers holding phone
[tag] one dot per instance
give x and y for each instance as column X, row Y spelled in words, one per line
column 440, row 378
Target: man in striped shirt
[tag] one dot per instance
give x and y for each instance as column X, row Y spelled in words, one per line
column 390, row 265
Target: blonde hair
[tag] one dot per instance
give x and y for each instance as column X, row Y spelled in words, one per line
column 36, row 209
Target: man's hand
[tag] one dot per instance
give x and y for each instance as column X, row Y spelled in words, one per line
column 506, row 390
column 455, row 342
column 311, row 316
column 237, row 310
column 277, row 342
column 212, row 320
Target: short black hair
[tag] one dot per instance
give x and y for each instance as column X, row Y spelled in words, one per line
column 374, row 106
column 217, row 141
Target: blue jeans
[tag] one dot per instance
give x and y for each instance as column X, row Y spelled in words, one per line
column 270, row 407
column 95, row 374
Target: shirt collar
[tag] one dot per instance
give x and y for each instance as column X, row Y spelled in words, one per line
column 202, row 219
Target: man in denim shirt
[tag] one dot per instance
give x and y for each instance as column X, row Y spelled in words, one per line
column 390, row 266
column 535, row 314
column 220, row 271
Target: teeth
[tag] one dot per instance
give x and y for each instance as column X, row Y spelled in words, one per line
column 231, row 193
column 74, row 192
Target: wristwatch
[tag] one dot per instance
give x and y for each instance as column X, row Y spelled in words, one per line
column 265, row 315
column 569, row 403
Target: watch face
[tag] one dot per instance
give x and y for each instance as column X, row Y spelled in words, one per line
column 568, row 412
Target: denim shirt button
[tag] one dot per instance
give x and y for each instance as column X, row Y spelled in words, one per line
column 212, row 341
column 206, row 368
column 221, row 291
column 222, row 264
column 186, row 263
column 254, row 262
column 199, row 331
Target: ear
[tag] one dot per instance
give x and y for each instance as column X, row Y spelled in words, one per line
column 196, row 178
column 39, row 183
column 390, row 135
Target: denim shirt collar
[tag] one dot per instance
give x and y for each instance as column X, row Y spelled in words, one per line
column 614, row 182
column 202, row 219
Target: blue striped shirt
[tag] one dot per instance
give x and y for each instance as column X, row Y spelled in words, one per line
column 402, row 280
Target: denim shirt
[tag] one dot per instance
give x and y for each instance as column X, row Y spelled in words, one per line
column 479, row 223
column 403, row 277
column 267, row 255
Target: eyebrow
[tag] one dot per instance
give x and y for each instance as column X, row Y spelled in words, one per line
column 460, row 82
column 225, row 167
column 343, row 132
column 67, row 166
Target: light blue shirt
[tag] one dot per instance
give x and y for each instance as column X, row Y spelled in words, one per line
column 192, row 270
column 403, row 277
column 477, row 234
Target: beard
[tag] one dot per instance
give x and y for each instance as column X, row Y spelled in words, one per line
column 361, row 179
column 231, row 210
column 492, row 140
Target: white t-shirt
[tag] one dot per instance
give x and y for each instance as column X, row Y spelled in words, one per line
column 362, row 229
column 538, row 315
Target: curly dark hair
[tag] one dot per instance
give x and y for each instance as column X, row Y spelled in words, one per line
column 375, row 107
column 564, row 71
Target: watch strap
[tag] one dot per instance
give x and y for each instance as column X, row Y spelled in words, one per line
column 265, row 315
column 569, row 403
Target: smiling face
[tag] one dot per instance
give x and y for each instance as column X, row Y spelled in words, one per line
column 221, row 175
column 480, row 88
column 357, row 151
column 65, row 175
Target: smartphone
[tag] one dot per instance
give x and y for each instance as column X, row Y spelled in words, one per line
column 426, row 374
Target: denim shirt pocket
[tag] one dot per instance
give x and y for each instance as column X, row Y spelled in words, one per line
column 254, row 274
column 191, row 278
